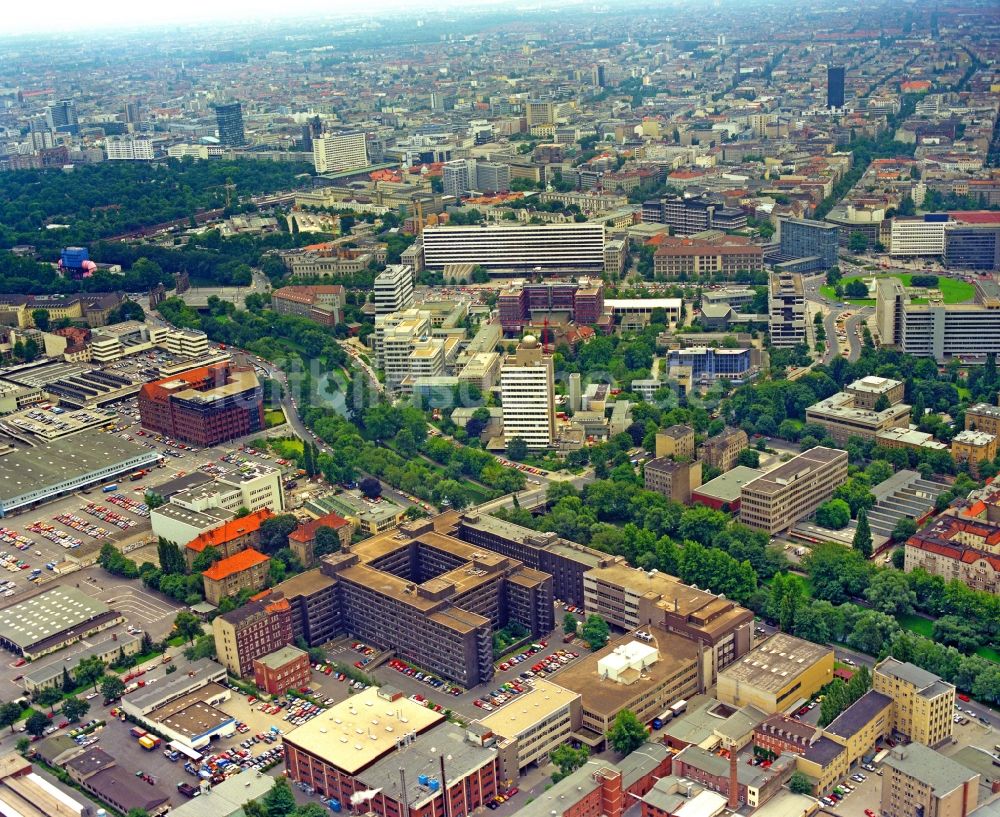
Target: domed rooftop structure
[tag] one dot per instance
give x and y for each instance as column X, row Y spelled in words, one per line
column 529, row 341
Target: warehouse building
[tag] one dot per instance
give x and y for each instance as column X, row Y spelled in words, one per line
column 50, row 620
column 32, row 476
column 25, row 793
column 779, row 675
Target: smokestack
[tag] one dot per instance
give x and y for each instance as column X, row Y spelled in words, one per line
column 734, row 786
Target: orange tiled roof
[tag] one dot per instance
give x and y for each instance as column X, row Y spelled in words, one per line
column 244, row 560
column 230, row 530
column 307, row 531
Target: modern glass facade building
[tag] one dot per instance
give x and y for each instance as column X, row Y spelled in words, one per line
column 230, row 121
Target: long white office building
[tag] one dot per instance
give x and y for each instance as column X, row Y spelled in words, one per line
column 336, row 152
column 519, row 247
column 916, row 236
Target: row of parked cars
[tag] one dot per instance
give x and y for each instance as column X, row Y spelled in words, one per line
column 425, row 677
column 524, row 656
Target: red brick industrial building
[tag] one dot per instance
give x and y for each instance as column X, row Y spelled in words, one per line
column 282, row 670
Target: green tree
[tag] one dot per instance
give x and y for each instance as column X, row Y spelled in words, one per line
column 255, row 808
column 75, row 708
column 800, row 783
column 627, row 733
column 204, row 560
column 569, row 624
column 890, row 593
column 595, row 632
column 327, row 541
column 567, row 760
column 10, row 713
column 904, row 528
column 863, row 535
column 40, row 317
column 517, row 448
column 36, row 724
column 89, row 671
column 153, row 500
column 49, row 697
column 137, row 812
column 68, row 684
column 187, row 625
column 833, row 514
column 112, row 687
column 279, row 800
column 748, row 457
column 171, row 558
column 857, row 242
column 22, row 746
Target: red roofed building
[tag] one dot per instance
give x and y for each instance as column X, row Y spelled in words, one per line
column 230, row 538
column 227, row 577
column 696, row 257
column 323, row 303
column 204, row 406
column 957, row 547
column 302, row 540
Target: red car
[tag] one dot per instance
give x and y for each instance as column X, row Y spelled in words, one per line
column 962, row 697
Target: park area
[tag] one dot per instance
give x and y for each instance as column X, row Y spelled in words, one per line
column 952, row 290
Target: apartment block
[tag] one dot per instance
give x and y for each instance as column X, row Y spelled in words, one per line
column 923, row 704
column 314, row 602
column 983, row 417
column 792, row 491
column 247, row 570
column 781, row 672
column 958, row 547
column 722, row 450
column 674, row 480
column 679, row 257
column 786, row 310
column 251, row 631
column 337, row 152
column 393, row 289
column 919, row 781
column 631, row 599
column 527, row 395
column 282, row 670
column 974, row 447
column 677, row 442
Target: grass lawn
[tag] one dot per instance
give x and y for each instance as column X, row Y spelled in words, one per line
column 274, row 417
column 989, row 653
column 916, row 624
column 953, row 291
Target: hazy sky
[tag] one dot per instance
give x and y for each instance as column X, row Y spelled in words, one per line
column 80, row 15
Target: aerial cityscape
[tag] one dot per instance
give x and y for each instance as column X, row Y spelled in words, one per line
column 567, row 410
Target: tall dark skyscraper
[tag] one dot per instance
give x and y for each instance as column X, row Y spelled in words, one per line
column 835, row 86
column 230, row 119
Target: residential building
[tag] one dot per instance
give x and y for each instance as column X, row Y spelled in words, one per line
column 677, row 442
column 323, row 304
column 129, row 149
column 862, row 726
column 204, row 407
column 864, row 409
column 974, row 447
column 917, row 236
column 675, row 480
column 956, row 547
column 229, row 538
column 645, row 672
column 782, row 673
column 935, row 329
column 722, row 256
column 229, row 118
column 803, row 238
column 540, row 720
column 983, row 417
column 722, row 450
column 251, row 631
column 527, row 395
column 567, row 247
column 629, row 598
column 792, row 491
column 461, row 177
column 247, row 570
column 723, row 493
column 393, row 289
column 787, row 310
column 923, row 704
column 920, row 781
column 436, row 600
column 284, row 669
column 338, row 152
column 302, row 540
column 379, row 741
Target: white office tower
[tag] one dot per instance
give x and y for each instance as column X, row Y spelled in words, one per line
column 129, row 149
column 336, row 152
column 393, row 289
column 527, row 392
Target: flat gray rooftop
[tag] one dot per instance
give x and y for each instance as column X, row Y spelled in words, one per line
column 47, row 614
column 35, row 469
